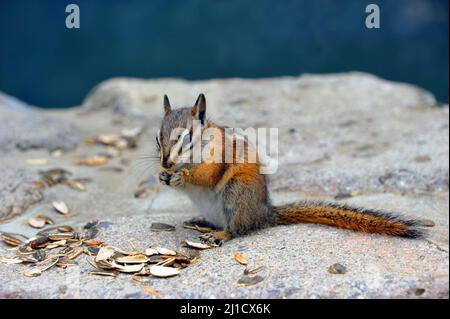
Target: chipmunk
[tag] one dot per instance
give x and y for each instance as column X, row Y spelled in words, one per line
column 233, row 197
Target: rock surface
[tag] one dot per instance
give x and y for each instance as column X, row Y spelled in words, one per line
column 336, row 133
column 348, row 137
column 24, row 128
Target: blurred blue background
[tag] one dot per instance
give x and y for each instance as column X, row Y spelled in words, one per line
column 45, row 64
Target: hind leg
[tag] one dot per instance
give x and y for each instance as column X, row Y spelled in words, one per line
column 245, row 206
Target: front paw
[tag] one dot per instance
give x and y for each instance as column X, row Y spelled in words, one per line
column 164, row 178
column 176, row 179
column 216, row 237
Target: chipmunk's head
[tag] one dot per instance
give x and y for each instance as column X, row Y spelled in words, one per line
column 179, row 129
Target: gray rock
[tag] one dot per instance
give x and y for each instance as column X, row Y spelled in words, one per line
column 24, row 128
column 17, row 191
column 296, row 260
column 352, row 131
column 366, row 141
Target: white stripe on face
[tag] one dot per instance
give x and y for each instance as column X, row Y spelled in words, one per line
column 173, row 156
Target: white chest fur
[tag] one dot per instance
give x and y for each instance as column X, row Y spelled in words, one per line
column 207, row 202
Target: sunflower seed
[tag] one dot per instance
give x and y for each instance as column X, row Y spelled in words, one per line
column 131, row 132
column 46, row 231
column 37, row 161
column 165, row 251
column 123, row 252
column 156, row 259
column 92, row 250
column 167, row 262
column 128, row 268
column 36, row 222
column 93, row 243
column 202, row 229
column 163, row 272
column 59, row 243
column 107, row 139
column 11, row 260
column 134, row 259
column 196, row 245
column 47, row 219
column 104, row 273
column 65, row 229
column 249, row 281
column 337, row 269
column 57, row 153
column 426, row 222
column 55, row 171
column 240, row 259
column 65, row 262
column 91, row 233
column 144, row 272
column 116, row 169
column 41, row 267
column 37, row 256
column 12, row 239
column 60, row 207
column 74, row 185
column 39, row 242
column 93, row 160
column 25, row 250
column 104, row 253
column 162, row 227
column 151, row 252
column 54, row 176
column 103, row 265
column 140, row 193
column 253, row 271
column 123, row 144
column 153, row 292
column 61, row 236
column 91, row 224
column 183, row 260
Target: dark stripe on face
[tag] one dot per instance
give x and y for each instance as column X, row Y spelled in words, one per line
column 164, row 161
column 157, row 143
column 201, row 115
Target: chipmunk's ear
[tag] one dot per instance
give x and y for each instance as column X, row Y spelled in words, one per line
column 167, row 107
column 199, row 109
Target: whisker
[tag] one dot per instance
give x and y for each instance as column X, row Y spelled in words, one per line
column 142, row 172
column 148, row 156
column 146, row 161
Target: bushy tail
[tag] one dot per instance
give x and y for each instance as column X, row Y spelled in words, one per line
column 358, row 219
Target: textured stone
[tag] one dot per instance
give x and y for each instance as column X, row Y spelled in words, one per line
column 337, row 132
column 351, row 138
column 296, row 260
column 24, row 128
column 17, row 191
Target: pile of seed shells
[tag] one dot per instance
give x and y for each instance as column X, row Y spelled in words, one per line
column 60, row 246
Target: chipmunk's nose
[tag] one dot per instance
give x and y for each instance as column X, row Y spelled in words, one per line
column 164, row 161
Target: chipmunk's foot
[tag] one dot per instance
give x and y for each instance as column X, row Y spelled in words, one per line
column 216, row 237
column 177, row 179
column 199, row 222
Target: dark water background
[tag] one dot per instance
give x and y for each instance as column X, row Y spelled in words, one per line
column 46, row 64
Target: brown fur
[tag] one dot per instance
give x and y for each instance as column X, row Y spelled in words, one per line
column 342, row 216
column 242, row 190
